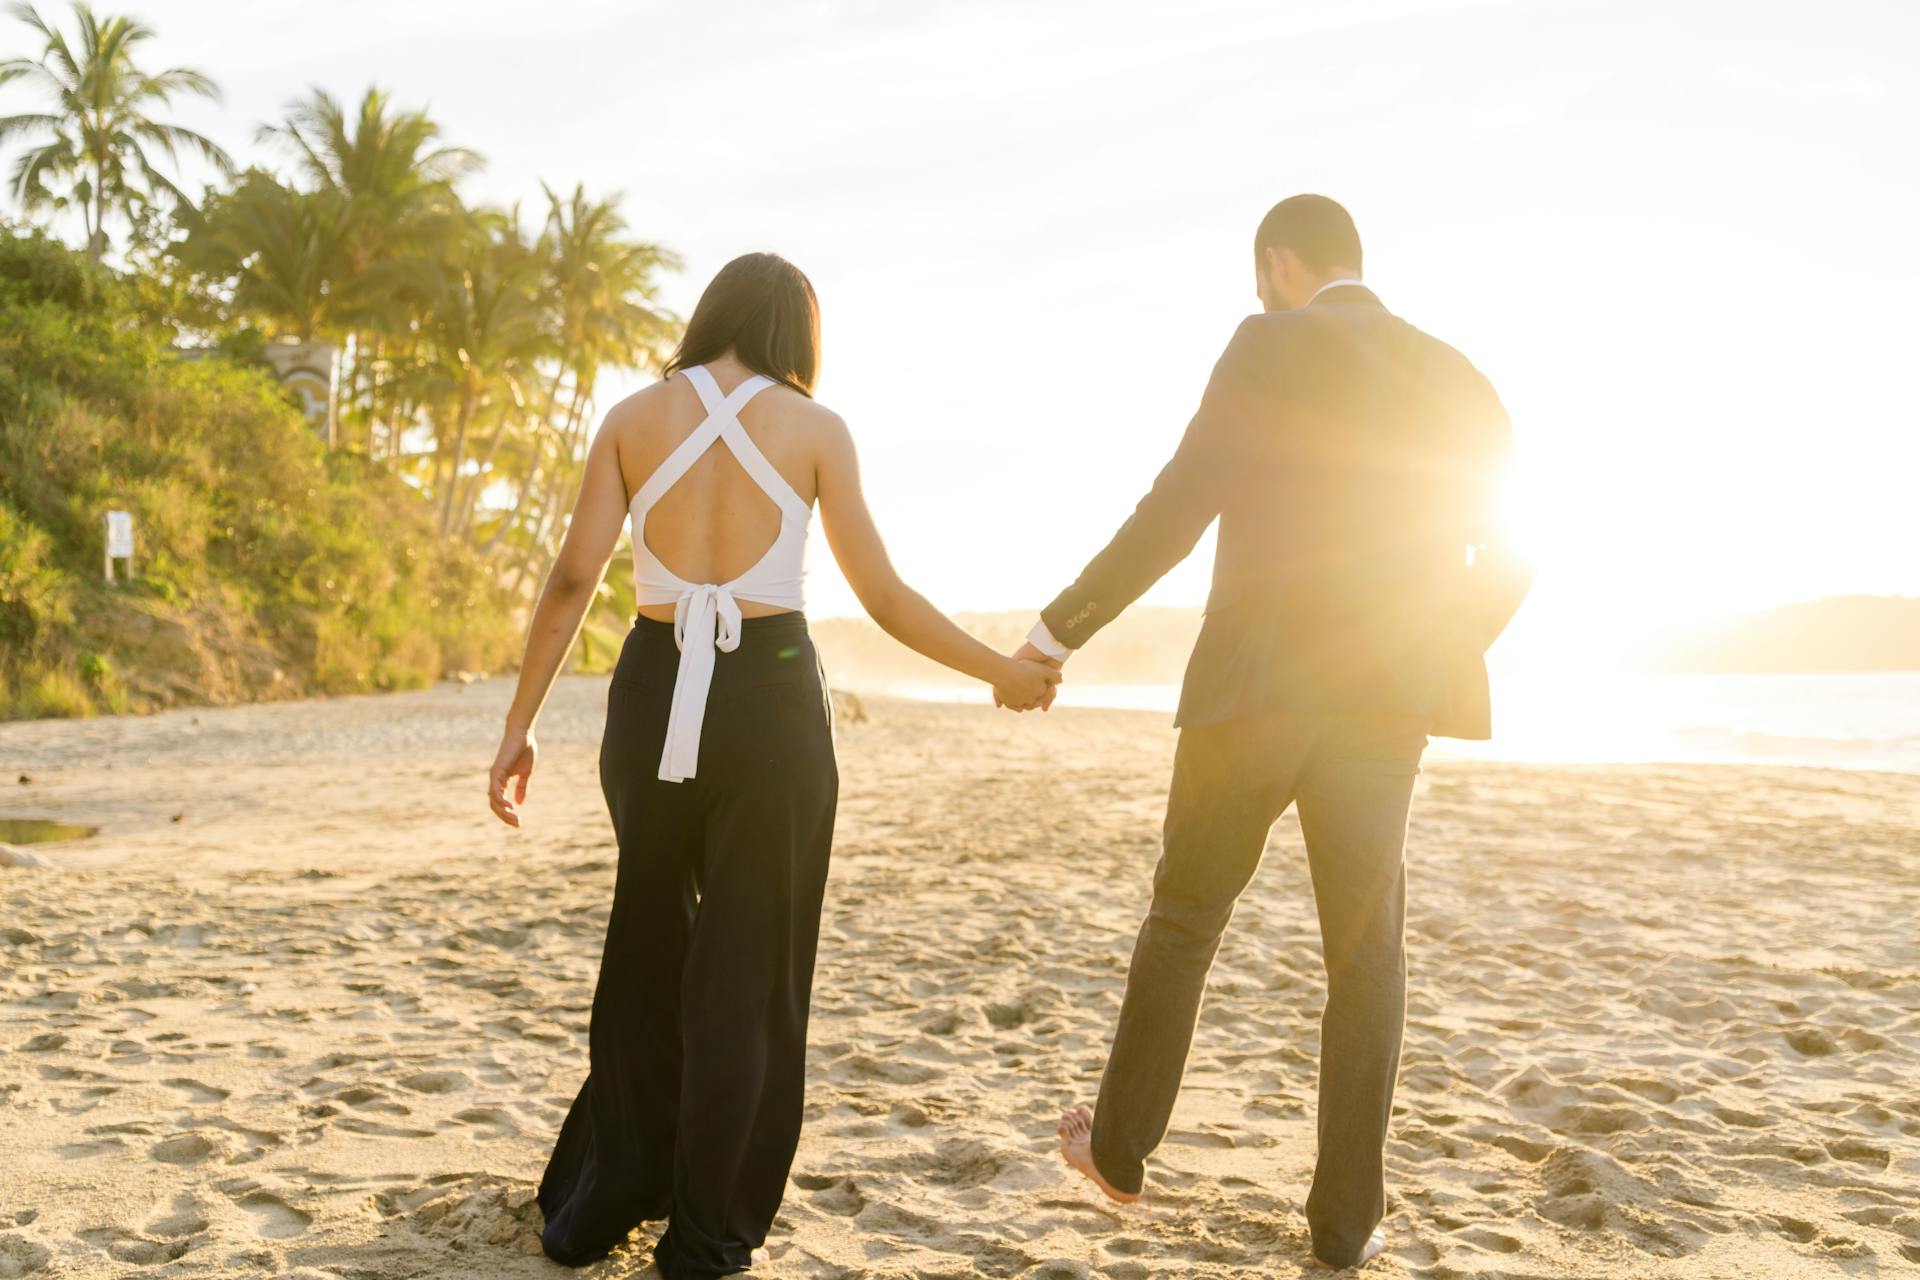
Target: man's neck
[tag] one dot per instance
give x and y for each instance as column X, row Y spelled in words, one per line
column 1338, row 280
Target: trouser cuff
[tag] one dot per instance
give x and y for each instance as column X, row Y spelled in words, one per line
column 1122, row 1174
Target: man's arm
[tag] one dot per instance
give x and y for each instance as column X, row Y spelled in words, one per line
column 1189, row 492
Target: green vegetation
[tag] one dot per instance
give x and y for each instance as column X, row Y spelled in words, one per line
column 265, row 565
column 400, row 534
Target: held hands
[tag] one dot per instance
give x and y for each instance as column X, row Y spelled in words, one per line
column 1030, row 682
column 514, row 763
column 1028, row 652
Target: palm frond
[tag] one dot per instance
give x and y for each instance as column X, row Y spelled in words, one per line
column 173, row 137
column 32, row 169
column 164, row 84
column 13, row 125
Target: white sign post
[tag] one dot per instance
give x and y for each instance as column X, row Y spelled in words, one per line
column 119, row 541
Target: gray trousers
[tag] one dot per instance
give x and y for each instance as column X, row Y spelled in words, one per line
column 1352, row 779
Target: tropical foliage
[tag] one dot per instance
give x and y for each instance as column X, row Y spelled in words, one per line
column 264, row 565
column 471, row 338
column 95, row 148
column 468, row 339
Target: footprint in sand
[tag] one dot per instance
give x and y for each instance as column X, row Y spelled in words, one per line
column 861, row 1068
column 1216, row 1139
column 471, row 1209
column 363, row 1097
column 1853, row 1149
column 962, row 1163
column 1058, row 1269
column 273, row 1217
column 944, row 1023
column 493, row 1122
column 375, row 1129
column 1008, row 1016
column 910, row 1115
column 185, row 1148
column 185, row 1219
column 436, row 1081
column 203, row 1094
column 838, row 1196
column 1492, row 1241
column 20, row 1257
column 124, row 1246
column 1591, row 1191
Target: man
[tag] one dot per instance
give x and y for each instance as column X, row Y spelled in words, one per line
column 1352, row 462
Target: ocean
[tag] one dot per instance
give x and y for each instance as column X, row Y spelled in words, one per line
column 1838, row 720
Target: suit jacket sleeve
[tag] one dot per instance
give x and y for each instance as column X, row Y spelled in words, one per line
column 1186, row 496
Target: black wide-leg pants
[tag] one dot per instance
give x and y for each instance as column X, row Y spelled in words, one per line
column 691, row 1108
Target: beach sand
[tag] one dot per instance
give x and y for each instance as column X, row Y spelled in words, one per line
column 304, row 1009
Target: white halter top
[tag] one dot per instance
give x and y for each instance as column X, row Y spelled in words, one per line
column 706, row 616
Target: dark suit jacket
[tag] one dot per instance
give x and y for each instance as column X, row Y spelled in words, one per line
column 1352, row 461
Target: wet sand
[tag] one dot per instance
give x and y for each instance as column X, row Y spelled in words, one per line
column 302, row 1009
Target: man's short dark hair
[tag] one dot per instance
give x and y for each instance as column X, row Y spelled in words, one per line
column 1320, row 230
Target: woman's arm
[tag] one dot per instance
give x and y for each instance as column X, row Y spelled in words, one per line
column 564, row 601
column 902, row 612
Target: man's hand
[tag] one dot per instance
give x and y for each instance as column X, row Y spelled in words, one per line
column 1028, row 653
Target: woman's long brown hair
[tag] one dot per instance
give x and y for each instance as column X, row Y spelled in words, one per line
column 762, row 308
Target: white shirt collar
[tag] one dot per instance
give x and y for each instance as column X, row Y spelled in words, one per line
column 1341, row 283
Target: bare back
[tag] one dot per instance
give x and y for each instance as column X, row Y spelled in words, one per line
column 715, row 523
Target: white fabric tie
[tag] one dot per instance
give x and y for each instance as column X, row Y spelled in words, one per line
column 706, row 620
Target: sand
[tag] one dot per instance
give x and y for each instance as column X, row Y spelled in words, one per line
column 302, row 1009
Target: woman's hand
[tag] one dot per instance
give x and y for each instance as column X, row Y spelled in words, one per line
column 1024, row 685
column 514, row 762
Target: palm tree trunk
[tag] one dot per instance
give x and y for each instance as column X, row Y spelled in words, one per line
column 565, row 481
column 562, row 473
column 356, row 375
column 553, row 388
column 373, row 402
column 469, row 391
column 471, row 501
column 527, row 483
column 97, row 233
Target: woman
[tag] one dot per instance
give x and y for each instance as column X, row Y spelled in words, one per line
column 717, row 764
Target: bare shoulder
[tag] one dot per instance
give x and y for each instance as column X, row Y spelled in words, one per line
column 819, row 426
column 660, row 413
column 647, row 407
column 804, row 411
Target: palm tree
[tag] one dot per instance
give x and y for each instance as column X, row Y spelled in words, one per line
column 97, row 155
column 479, row 311
column 393, row 179
column 598, row 283
column 600, row 290
column 388, row 167
column 279, row 252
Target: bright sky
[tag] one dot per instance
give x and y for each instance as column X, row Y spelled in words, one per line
column 1678, row 236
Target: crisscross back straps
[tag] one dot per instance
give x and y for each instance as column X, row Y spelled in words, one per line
column 721, row 411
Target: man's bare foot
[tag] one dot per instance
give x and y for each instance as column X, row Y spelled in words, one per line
column 1376, row 1245
column 1076, row 1148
